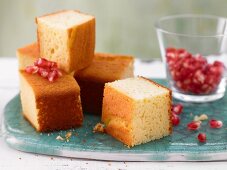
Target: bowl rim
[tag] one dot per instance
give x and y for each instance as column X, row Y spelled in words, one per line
column 159, row 28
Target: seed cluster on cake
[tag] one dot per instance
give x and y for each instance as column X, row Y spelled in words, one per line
column 44, row 68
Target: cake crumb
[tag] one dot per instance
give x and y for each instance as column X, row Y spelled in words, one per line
column 59, row 138
column 200, row 117
column 129, row 147
column 99, row 128
column 68, row 136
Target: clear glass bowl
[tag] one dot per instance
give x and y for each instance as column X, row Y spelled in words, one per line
column 194, row 51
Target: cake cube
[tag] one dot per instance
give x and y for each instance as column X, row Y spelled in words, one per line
column 27, row 55
column 136, row 110
column 50, row 106
column 104, row 68
column 68, row 38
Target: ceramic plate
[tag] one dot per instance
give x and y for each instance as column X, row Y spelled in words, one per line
column 182, row 145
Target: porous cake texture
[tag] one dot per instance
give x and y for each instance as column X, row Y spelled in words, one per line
column 50, row 106
column 27, row 55
column 68, row 38
column 136, row 110
column 104, row 68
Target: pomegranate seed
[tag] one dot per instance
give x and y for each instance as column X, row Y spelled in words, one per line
column 175, row 119
column 43, row 72
column 45, row 68
column 194, row 125
column 59, row 73
column 31, row 69
column 177, row 108
column 215, row 123
column 202, row 137
column 200, row 59
column 170, row 49
column 199, row 77
column 52, row 76
column 53, row 64
column 219, row 64
column 41, row 62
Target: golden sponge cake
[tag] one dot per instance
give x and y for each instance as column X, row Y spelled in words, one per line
column 50, row 106
column 68, row 38
column 104, row 68
column 27, row 55
column 136, row 110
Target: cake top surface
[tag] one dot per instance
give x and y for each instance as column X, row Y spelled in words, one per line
column 107, row 67
column 138, row 88
column 30, row 50
column 63, row 85
column 64, row 19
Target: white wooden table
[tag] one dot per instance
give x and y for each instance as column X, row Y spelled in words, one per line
column 13, row 159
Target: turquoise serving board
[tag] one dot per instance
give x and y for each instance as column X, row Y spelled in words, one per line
column 182, row 145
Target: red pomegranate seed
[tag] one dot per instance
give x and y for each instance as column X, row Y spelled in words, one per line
column 59, row 73
column 175, row 119
column 202, row 137
column 31, row 69
column 53, row 64
column 43, row 72
column 52, row 76
column 177, row 108
column 170, row 49
column 194, row 125
column 41, row 62
column 216, row 70
column 200, row 59
column 215, row 123
column 219, row 64
column 199, row 77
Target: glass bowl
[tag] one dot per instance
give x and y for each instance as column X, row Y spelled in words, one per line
column 194, row 51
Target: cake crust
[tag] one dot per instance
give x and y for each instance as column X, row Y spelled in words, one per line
column 119, row 128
